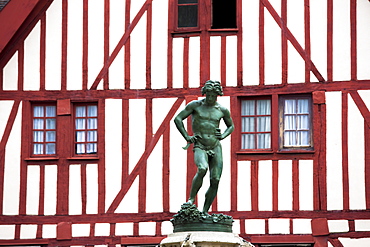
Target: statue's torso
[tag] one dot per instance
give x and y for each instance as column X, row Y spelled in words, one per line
column 205, row 122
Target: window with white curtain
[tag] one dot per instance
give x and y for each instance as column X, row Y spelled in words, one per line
column 43, row 129
column 86, row 128
column 296, row 122
column 256, row 124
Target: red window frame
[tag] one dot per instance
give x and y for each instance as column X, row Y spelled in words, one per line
column 181, row 5
column 44, row 130
column 255, row 116
column 282, row 115
column 85, row 129
column 205, row 15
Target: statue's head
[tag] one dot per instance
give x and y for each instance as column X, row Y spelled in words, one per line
column 212, row 86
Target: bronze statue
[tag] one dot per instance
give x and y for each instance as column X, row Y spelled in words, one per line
column 206, row 116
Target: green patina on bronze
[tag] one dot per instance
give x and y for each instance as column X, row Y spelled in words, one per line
column 206, row 117
column 189, row 218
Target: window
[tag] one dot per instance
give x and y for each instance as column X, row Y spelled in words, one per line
column 296, row 130
column 86, row 129
column 187, row 11
column 256, row 124
column 220, row 15
column 223, row 14
column 289, row 126
column 44, row 129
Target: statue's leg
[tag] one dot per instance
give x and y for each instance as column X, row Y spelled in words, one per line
column 201, row 161
column 215, row 170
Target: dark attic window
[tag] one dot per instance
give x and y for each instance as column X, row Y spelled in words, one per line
column 223, row 14
column 187, row 13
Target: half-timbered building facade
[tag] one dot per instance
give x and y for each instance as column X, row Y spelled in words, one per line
column 89, row 154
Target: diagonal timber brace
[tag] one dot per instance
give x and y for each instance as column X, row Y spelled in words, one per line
column 141, row 163
column 120, row 44
column 361, row 106
column 288, row 34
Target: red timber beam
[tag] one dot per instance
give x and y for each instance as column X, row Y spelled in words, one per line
column 335, row 242
column 17, row 21
column 4, row 140
column 12, row 17
column 141, row 164
column 120, row 44
column 304, row 53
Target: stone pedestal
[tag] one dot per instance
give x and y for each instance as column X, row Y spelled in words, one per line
column 204, row 239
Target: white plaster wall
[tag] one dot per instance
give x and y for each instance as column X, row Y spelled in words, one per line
column 356, row 157
column 12, row 168
column 32, row 60
column 113, row 149
column 334, row 150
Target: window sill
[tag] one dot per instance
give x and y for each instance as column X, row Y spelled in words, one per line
column 295, row 151
column 300, row 151
column 223, row 30
column 83, row 158
column 255, row 152
column 196, row 32
column 44, row 158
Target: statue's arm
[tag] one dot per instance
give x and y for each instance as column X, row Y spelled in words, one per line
column 179, row 121
column 229, row 124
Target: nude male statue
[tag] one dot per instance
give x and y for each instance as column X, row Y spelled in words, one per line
column 206, row 116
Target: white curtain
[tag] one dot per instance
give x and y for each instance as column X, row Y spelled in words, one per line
column 259, row 121
column 296, row 123
column 44, row 125
column 86, row 126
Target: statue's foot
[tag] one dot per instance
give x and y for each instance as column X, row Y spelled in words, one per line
column 190, row 201
column 206, row 214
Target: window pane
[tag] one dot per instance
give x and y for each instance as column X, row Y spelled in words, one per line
column 248, row 124
column 91, row 148
column 264, row 107
column 303, row 138
column 92, row 123
column 92, row 111
column 50, row 111
column 50, row 136
column 80, row 124
column 38, row 111
column 248, row 107
column 303, row 122
column 303, row 106
column 263, row 141
column 38, row 136
column 223, row 14
column 80, row 111
column 264, row 124
column 38, row 124
column 50, row 148
column 50, row 123
column 248, row 141
column 290, row 106
column 92, row 136
column 290, row 123
column 80, row 148
column 187, row 1
column 188, row 16
column 80, row 136
column 38, row 149
column 290, row 138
